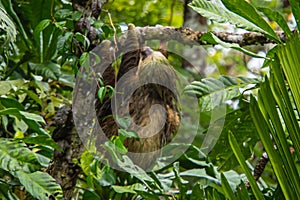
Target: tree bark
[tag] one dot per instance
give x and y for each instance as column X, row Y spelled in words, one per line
column 62, row 168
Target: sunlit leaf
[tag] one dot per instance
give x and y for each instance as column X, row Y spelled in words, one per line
column 214, row 92
column 215, row 10
column 278, row 18
column 101, row 93
column 248, row 12
column 40, row 185
column 15, row 156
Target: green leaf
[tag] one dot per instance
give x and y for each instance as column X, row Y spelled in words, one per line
column 8, row 29
column 134, row 170
column 84, row 61
column 11, row 111
column 31, row 119
column 42, row 140
column 15, row 156
column 288, row 55
column 108, row 177
column 214, row 92
column 241, row 123
column 86, row 159
column 40, row 185
column 5, row 190
column 285, row 103
column 129, row 188
column 273, row 154
column 124, row 122
column 270, row 54
column 247, row 11
column 296, row 11
column 240, row 157
column 48, row 70
column 33, row 96
column 101, row 93
column 217, row 12
column 196, row 192
column 128, row 133
column 201, row 173
column 182, row 183
column 90, row 195
column 9, row 8
column 11, row 103
column 32, row 116
column 83, row 39
column 226, row 187
column 35, row 126
column 269, row 107
column 6, row 86
column 119, row 145
column 111, row 91
column 40, row 27
column 276, row 16
column 76, row 15
column 64, row 42
column 212, row 39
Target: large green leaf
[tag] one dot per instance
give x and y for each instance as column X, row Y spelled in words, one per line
column 247, row 11
column 280, row 139
column 8, row 30
column 6, row 86
column 214, row 92
column 226, row 187
column 241, row 124
column 274, row 156
column 201, row 173
column 276, row 111
column 11, row 103
column 217, row 12
column 40, row 27
column 48, row 70
column 285, row 103
column 278, row 18
column 11, row 111
column 40, row 185
column 268, row 105
column 36, row 11
column 240, row 157
column 33, row 117
column 289, row 59
column 42, row 140
column 204, row 177
column 32, row 120
column 9, row 8
column 15, row 156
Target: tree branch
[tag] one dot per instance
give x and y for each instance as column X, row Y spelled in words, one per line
column 189, row 36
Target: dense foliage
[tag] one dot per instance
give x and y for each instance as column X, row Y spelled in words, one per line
column 40, row 56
